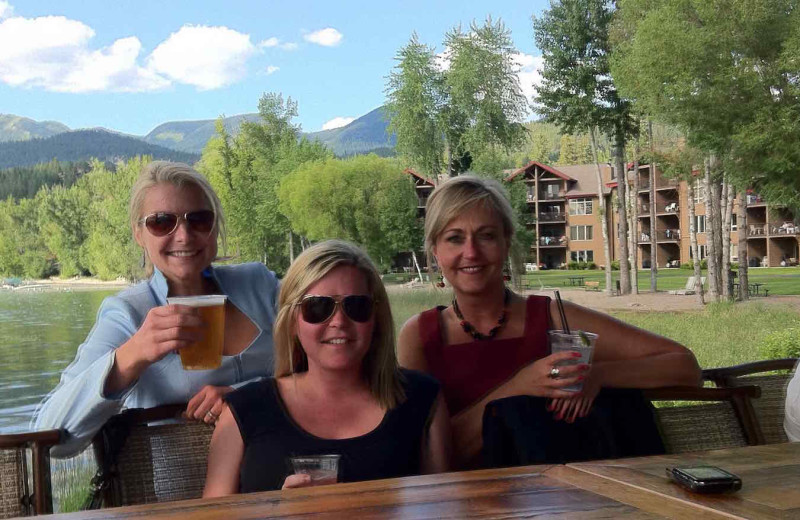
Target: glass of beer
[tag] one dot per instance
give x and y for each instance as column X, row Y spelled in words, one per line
column 206, row 353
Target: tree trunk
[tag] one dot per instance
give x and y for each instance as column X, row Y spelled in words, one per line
column 635, row 221
column 698, row 273
column 711, row 253
column 727, row 278
column 716, row 200
column 741, row 223
column 653, row 239
column 603, row 213
column 416, row 264
column 724, row 273
column 291, row 248
column 622, row 230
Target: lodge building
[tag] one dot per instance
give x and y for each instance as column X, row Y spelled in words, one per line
column 563, row 213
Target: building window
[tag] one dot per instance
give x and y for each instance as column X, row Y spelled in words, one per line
column 551, row 190
column 580, row 207
column 734, row 252
column 699, row 192
column 700, row 223
column 701, row 248
column 733, row 222
column 580, row 232
column 582, row 256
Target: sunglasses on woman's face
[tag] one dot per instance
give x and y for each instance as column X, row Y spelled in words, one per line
column 162, row 224
column 318, row 309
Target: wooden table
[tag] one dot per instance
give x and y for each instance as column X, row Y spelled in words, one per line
column 506, row 493
column 619, row 489
column 770, row 479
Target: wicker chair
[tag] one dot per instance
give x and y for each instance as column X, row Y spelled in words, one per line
column 143, row 463
column 727, row 421
column 16, row 473
column 769, row 409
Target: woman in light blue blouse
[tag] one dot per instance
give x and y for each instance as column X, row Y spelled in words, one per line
column 129, row 359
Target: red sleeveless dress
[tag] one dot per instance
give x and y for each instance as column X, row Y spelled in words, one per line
column 469, row 371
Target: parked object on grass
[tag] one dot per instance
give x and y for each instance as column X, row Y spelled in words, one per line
column 691, row 286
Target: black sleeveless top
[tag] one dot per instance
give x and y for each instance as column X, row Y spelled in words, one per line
column 271, row 436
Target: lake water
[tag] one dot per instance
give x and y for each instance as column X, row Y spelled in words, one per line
column 39, row 335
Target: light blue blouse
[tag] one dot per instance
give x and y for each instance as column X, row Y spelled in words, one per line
column 78, row 406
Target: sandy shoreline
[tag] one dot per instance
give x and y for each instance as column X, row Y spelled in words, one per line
column 67, row 284
column 644, row 302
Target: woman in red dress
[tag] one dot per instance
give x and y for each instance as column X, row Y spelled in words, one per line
column 492, row 343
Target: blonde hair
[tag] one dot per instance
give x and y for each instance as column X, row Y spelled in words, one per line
column 380, row 366
column 459, row 194
column 179, row 175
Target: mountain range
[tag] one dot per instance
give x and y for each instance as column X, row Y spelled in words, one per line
column 24, row 142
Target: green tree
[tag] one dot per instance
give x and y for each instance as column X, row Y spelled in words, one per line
column 725, row 73
column 414, row 102
column 364, row 199
column 577, row 93
column 110, row 251
column 64, row 224
column 22, row 250
column 474, row 107
column 247, row 172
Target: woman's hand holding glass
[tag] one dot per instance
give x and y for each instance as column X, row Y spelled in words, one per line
column 537, row 379
column 167, row 329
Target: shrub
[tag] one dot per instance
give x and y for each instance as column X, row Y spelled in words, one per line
column 615, row 265
column 703, row 264
column 572, row 266
column 734, row 266
column 592, row 265
column 687, row 265
column 781, row 344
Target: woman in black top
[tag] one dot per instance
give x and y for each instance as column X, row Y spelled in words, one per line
column 338, row 389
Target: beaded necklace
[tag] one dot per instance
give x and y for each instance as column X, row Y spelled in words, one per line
column 471, row 330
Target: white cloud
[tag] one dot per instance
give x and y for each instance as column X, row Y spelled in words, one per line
column 206, row 57
column 328, row 37
column 269, row 42
column 337, row 122
column 52, row 52
column 5, row 9
column 275, row 42
column 272, row 69
column 529, row 72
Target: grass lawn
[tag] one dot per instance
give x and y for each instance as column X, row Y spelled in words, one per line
column 779, row 280
column 722, row 334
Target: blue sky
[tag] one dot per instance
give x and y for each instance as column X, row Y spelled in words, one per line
column 130, row 65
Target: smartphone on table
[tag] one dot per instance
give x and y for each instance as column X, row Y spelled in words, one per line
column 705, row 479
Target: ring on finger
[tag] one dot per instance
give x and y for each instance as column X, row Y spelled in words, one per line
column 211, row 415
column 554, row 373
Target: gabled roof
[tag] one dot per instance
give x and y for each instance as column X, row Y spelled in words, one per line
column 545, row 167
column 418, row 176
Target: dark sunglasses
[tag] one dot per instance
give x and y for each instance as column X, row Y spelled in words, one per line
column 162, row 224
column 319, row 309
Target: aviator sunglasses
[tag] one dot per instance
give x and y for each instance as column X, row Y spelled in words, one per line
column 162, row 224
column 319, row 309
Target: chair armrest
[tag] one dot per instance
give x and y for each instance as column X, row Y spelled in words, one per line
column 43, row 438
column 695, row 393
column 720, row 375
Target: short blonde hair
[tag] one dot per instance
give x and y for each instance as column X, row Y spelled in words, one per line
column 179, row 175
column 459, row 194
column 380, row 363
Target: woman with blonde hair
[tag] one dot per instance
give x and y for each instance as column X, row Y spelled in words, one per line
column 129, row 358
column 492, row 343
column 337, row 388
